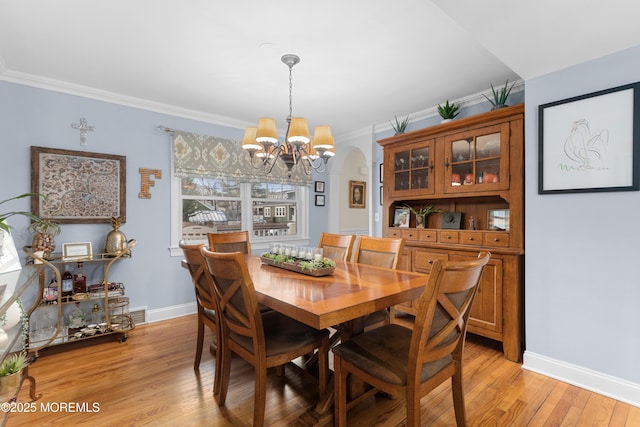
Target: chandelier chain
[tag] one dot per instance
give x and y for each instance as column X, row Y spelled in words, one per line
column 290, row 93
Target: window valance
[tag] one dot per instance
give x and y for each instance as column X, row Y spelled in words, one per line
column 198, row 155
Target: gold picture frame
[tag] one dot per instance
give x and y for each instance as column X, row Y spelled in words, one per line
column 357, row 194
column 77, row 251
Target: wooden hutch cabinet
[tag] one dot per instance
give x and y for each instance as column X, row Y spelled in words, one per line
column 472, row 171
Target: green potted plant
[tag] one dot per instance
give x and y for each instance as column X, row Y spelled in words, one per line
column 12, row 366
column 400, row 126
column 11, row 372
column 448, row 111
column 422, row 214
column 500, row 96
column 3, row 216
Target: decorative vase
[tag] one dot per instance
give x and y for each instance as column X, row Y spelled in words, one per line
column 43, row 242
column 9, row 384
column 4, row 338
column 10, row 266
column 116, row 240
column 446, row 120
column 12, row 316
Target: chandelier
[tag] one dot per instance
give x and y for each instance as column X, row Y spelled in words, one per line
column 297, row 148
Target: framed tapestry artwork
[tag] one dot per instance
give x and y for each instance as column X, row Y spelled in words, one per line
column 319, row 199
column 357, row 194
column 77, row 186
column 319, row 186
column 590, row 143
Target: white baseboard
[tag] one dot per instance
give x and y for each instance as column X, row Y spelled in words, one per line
column 594, row 381
column 171, row 312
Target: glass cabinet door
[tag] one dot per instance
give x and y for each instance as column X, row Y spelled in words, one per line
column 477, row 161
column 413, row 168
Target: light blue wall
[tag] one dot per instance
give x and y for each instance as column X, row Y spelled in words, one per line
column 582, row 287
column 31, row 116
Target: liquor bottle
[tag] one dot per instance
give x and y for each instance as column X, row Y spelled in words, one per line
column 67, row 282
column 96, row 314
column 77, row 318
column 51, row 292
column 79, row 280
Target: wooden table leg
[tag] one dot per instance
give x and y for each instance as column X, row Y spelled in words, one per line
column 322, row 413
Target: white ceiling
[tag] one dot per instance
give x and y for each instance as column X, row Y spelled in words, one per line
column 363, row 61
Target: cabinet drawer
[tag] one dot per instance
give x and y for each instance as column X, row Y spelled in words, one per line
column 496, row 239
column 410, row 234
column 424, row 260
column 448, row 236
column 471, row 238
column 427, row 235
column 394, row 232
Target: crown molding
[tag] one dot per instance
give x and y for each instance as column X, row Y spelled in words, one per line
column 116, row 98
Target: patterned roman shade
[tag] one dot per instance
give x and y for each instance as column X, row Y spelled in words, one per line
column 213, row 157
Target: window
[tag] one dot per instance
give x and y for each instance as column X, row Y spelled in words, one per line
column 214, row 188
column 280, row 197
column 268, row 210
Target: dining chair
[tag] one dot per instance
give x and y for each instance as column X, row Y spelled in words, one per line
column 382, row 252
column 205, row 302
column 337, row 247
column 265, row 340
column 410, row 363
column 233, row 241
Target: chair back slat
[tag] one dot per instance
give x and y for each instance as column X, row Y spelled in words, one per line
column 337, row 247
column 195, row 263
column 234, row 241
column 236, row 297
column 380, row 251
column 443, row 310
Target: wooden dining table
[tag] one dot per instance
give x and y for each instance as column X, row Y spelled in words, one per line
column 342, row 298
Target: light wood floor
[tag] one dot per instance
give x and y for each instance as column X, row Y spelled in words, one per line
column 149, row 380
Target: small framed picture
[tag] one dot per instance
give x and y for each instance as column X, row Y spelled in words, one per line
column 381, row 199
column 357, row 194
column 498, row 219
column 319, row 200
column 76, row 251
column 451, row 220
column 319, row 186
column 402, row 217
column 381, row 172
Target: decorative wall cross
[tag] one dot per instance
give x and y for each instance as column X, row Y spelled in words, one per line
column 83, row 127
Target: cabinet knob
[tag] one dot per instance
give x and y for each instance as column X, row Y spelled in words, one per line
column 448, row 237
column 496, row 239
column 470, row 238
column 430, row 261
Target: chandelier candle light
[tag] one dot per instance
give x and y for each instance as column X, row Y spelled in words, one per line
column 297, row 148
